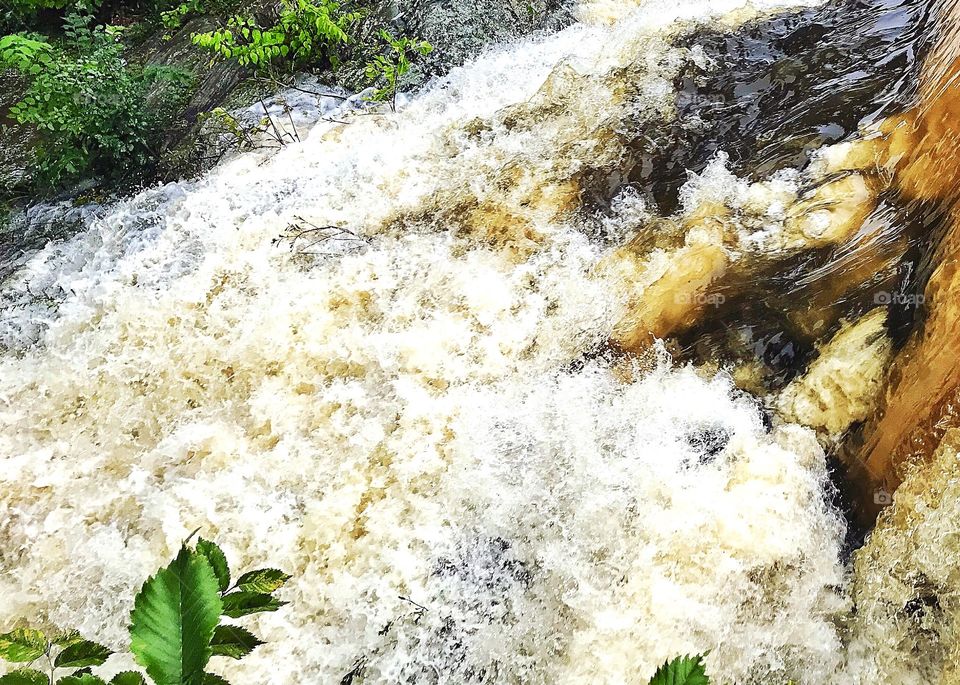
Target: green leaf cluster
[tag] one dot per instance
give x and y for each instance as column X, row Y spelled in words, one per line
column 388, row 68
column 68, row 651
column 683, row 670
column 177, row 622
column 173, row 19
column 176, row 626
column 29, row 55
column 304, row 31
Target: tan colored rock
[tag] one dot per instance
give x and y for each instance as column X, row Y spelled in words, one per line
column 845, row 382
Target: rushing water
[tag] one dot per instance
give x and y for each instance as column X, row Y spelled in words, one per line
column 446, row 412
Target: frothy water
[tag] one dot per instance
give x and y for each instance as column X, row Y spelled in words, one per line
column 416, row 416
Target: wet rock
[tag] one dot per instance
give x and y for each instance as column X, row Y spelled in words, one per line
column 460, row 29
column 708, row 441
column 16, row 141
column 843, row 385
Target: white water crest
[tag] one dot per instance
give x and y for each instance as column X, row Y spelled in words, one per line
column 413, row 422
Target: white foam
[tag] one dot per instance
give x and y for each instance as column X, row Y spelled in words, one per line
column 403, row 421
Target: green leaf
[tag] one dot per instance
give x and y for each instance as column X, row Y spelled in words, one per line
column 22, row 644
column 24, row 676
column 81, row 679
column 684, row 670
column 128, row 678
column 173, row 620
column 67, row 639
column 262, row 580
column 217, row 559
column 242, row 603
column 80, row 654
column 213, row 679
column 233, row 641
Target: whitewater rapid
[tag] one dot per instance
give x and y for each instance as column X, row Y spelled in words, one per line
column 421, row 426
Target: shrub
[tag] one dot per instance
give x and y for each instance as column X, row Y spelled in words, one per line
column 305, row 31
column 173, row 18
column 172, row 639
column 88, row 104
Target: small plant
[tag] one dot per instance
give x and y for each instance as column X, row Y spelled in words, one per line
column 65, row 652
column 173, row 19
column 388, row 69
column 176, row 626
column 683, row 670
column 305, row 31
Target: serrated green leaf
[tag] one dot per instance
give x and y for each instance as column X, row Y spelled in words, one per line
column 242, row 603
column 217, row 559
column 233, row 641
column 81, row 679
column 24, row 676
column 80, row 654
column 128, row 678
column 22, row 644
column 173, row 620
column 67, row 639
column 683, row 670
column 213, row 679
column 263, row 580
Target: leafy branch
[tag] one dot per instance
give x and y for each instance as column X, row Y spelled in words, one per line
column 389, row 68
column 304, row 31
column 176, row 626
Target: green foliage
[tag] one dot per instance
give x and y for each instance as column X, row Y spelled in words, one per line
column 243, row 603
column 389, row 68
column 128, row 678
column 173, row 19
column 305, row 31
column 218, row 562
column 20, row 13
column 28, row 645
column 81, row 679
column 22, row 645
column 173, row 620
column 25, row 54
column 233, row 641
column 80, row 654
column 265, row 580
column 88, row 104
column 175, row 627
column 683, row 670
column 24, row 676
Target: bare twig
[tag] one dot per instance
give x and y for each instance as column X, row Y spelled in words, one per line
column 304, row 235
column 277, row 82
column 272, row 122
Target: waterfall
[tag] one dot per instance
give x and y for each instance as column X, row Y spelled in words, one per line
column 379, row 359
